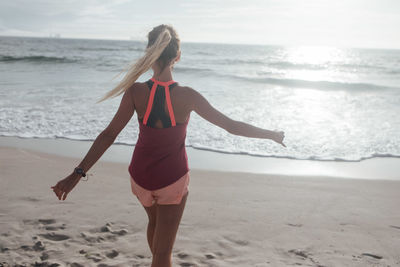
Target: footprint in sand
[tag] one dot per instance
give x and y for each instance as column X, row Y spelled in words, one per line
column 92, row 239
column 43, row 264
column 54, row 237
column 30, row 199
column 25, row 247
column 96, row 257
column 95, row 237
column 186, row 264
column 237, row 242
column 120, row 232
column 47, row 221
column 44, row 256
column 299, row 252
column 39, row 221
column 295, row 224
column 107, row 229
column 210, row 256
column 305, row 256
column 112, row 254
column 38, row 246
column 182, row 255
column 372, row 255
column 55, row 228
column 139, row 256
column 47, row 224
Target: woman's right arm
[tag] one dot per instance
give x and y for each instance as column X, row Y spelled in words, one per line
column 202, row 107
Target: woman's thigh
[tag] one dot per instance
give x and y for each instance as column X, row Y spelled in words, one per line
column 168, row 220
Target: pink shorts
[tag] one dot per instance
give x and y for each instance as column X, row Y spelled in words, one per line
column 171, row 194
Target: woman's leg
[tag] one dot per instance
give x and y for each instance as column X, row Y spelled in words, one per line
column 167, row 223
column 152, row 214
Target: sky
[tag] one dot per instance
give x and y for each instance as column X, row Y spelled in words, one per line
column 343, row 23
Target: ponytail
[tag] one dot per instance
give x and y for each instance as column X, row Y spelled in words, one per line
column 141, row 66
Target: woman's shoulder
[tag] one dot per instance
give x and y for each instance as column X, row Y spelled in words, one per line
column 188, row 95
column 138, row 88
column 187, row 90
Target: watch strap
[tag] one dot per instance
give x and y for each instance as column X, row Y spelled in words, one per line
column 78, row 170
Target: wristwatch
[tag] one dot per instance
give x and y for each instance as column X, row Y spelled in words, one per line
column 78, row 170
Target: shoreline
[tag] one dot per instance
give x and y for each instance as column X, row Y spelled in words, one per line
column 375, row 168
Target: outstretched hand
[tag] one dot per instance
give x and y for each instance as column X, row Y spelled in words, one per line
column 278, row 137
column 64, row 186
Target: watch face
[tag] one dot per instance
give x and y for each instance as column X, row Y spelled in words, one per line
column 79, row 170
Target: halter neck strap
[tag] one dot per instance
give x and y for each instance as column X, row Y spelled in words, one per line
column 163, row 83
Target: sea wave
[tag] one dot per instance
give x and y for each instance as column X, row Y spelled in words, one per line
column 98, row 49
column 203, row 53
column 288, row 82
column 237, row 61
column 191, row 69
column 323, row 85
column 36, row 59
column 204, row 148
column 328, row 65
column 298, row 66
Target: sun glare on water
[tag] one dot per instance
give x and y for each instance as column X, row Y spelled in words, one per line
column 315, row 55
column 313, row 63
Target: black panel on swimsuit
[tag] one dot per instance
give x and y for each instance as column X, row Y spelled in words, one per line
column 158, row 108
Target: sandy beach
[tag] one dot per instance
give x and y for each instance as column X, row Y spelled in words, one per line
column 230, row 219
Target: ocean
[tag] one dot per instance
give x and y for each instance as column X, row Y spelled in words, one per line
column 334, row 104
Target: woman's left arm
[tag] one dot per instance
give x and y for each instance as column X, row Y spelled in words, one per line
column 103, row 141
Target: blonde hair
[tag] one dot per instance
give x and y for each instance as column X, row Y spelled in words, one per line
column 159, row 39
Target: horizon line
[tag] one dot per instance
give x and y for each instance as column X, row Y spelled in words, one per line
column 205, row 42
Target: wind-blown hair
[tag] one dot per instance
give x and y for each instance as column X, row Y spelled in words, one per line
column 163, row 46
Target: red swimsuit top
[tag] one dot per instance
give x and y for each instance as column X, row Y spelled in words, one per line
column 159, row 158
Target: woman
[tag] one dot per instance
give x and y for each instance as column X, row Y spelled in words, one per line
column 159, row 168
